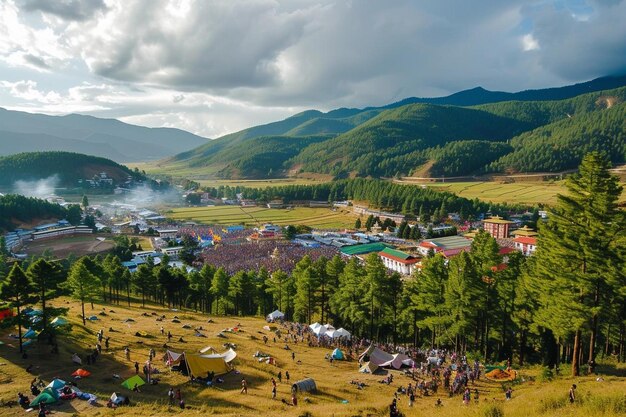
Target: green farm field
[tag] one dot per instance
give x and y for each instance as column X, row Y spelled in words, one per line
column 497, row 192
column 253, row 216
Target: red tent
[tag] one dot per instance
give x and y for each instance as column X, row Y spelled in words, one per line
column 81, row 373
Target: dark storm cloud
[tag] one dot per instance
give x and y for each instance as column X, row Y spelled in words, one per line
column 78, row 10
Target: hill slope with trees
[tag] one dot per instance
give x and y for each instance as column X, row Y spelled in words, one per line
column 68, row 168
column 425, row 139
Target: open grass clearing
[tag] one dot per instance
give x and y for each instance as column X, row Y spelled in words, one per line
column 530, row 398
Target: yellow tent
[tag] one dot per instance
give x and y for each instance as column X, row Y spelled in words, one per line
column 201, row 365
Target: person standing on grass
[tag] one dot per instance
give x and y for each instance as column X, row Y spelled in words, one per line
column 244, row 386
column 170, row 396
column 508, row 393
column 572, row 394
column 136, row 368
column 127, row 353
column 274, row 392
column 280, row 376
column 411, row 398
column 287, row 375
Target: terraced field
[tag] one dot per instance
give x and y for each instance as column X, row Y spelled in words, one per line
column 324, row 218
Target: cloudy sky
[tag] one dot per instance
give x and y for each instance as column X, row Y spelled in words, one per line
column 217, row 66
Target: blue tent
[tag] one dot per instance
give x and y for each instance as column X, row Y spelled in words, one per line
column 56, row 384
column 93, row 318
column 338, row 355
column 30, row 334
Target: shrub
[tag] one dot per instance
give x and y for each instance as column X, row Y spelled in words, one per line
column 493, row 410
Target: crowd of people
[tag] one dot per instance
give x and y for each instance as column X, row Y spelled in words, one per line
column 272, row 255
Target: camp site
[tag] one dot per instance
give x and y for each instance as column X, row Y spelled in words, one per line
column 207, row 357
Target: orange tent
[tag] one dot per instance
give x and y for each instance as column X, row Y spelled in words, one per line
column 81, row 373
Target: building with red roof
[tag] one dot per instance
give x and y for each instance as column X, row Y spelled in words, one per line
column 399, row 261
column 526, row 244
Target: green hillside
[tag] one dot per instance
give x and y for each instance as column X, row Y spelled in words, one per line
column 68, row 167
column 420, row 139
column 394, row 141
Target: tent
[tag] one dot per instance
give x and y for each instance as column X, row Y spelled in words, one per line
column 47, row 396
column 56, row 384
column 275, row 315
column 341, row 332
column 337, row 354
column 58, row 322
column 218, row 363
column 93, row 318
column 384, row 359
column 208, row 349
column 304, row 385
column 172, row 358
column 329, row 327
column 368, row 368
column 81, row 373
column 119, row 399
column 320, row 331
column 132, row 381
column 30, row 334
column 32, row 313
column 314, row 325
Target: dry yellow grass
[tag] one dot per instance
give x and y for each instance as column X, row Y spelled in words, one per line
column 529, row 398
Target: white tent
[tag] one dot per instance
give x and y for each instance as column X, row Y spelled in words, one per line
column 275, row 315
column 314, row 325
column 384, row 359
column 208, row 349
column 341, row 332
column 329, row 327
column 320, row 330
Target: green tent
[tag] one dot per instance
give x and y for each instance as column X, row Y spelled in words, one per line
column 132, row 381
column 47, row 396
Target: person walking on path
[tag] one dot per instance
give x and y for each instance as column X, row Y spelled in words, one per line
column 572, row 394
column 244, row 386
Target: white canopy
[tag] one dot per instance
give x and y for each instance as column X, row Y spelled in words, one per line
column 341, row 332
column 276, row 314
column 320, row 330
column 314, row 325
column 329, row 327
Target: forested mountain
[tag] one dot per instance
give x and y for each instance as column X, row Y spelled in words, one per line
column 122, row 142
column 67, row 167
column 17, row 208
column 421, row 139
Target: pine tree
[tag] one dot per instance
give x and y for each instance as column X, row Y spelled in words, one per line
column 45, row 277
column 219, row 289
column 82, row 284
column 357, row 223
column 577, row 253
column 17, row 290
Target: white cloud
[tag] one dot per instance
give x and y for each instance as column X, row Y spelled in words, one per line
column 217, row 66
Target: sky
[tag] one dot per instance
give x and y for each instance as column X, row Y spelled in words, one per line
column 217, row 66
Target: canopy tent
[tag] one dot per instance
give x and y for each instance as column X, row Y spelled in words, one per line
column 56, row 384
column 132, row 381
column 58, row 322
column 341, row 332
column 81, row 373
column 314, row 325
column 172, row 358
column 304, row 385
column 276, row 315
column 320, row 331
column 384, row 359
column 368, row 368
column 218, row 363
column 47, row 396
column 329, row 327
column 338, row 354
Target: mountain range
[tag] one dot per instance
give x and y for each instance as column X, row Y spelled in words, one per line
column 471, row 132
column 109, row 138
column 468, row 133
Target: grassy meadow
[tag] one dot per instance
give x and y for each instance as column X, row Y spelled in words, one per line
column 530, row 397
column 253, row 216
